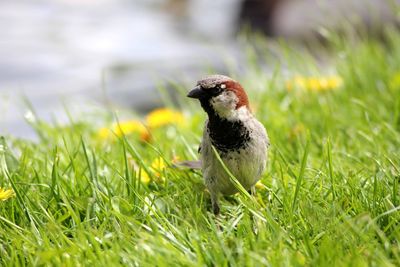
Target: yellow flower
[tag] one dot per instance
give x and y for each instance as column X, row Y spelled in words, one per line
column 104, row 133
column 128, row 127
column 125, row 128
column 155, row 119
column 315, row 84
column 334, row 82
column 6, row 194
column 259, row 185
column 163, row 116
column 141, row 173
column 158, row 165
column 144, row 177
column 156, row 168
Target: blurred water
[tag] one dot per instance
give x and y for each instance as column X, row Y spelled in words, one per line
column 89, row 54
column 59, row 53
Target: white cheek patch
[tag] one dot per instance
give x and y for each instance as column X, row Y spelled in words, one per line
column 224, row 104
column 242, row 113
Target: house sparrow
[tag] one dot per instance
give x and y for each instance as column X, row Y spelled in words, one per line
column 238, row 137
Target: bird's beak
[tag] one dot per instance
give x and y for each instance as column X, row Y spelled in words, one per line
column 196, row 92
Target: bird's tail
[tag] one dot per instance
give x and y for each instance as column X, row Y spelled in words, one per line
column 192, row 164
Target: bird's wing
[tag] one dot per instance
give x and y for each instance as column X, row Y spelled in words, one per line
column 204, row 132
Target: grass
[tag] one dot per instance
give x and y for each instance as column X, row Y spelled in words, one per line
column 330, row 196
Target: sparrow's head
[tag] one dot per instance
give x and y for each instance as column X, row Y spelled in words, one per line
column 220, row 95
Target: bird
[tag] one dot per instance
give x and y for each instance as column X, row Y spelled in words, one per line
column 240, row 140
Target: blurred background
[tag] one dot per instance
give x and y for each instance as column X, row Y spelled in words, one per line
column 60, row 57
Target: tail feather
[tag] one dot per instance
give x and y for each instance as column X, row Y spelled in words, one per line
column 192, row 164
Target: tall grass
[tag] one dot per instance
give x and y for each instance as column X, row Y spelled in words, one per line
column 330, row 195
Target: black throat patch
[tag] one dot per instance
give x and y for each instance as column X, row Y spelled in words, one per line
column 225, row 135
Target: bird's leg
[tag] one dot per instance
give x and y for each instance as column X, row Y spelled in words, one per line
column 254, row 221
column 253, row 191
column 214, row 202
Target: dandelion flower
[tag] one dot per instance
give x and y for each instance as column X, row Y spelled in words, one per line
column 155, row 119
column 314, row 84
column 141, row 173
column 144, row 177
column 163, row 116
column 334, row 82
column 158, row 165
column 104, row 133
column 128, row 127
column 6, row 194
column 259, row 185
column 156, row 168
column 125, row 128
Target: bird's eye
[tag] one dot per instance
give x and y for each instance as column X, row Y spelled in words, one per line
column 219, row 91
column 216, row 90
